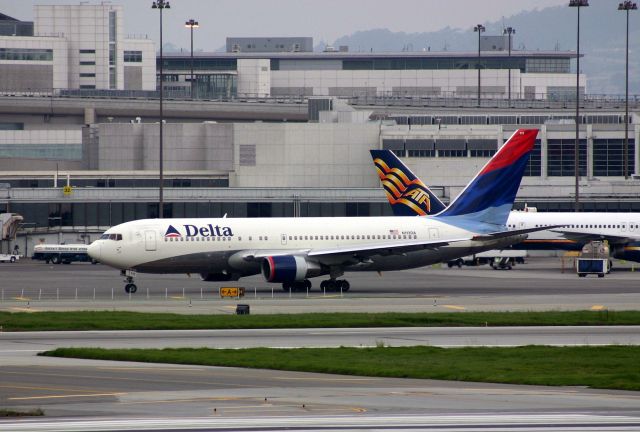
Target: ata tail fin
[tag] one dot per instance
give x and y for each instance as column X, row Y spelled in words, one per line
column 406, row 193
column 489, row 197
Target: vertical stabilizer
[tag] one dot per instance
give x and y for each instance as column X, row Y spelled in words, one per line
column 407, row 195
column 489, row 197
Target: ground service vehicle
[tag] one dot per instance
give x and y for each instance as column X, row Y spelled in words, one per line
column 65, row 254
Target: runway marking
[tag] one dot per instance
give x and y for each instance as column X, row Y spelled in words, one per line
column 41, row 388
column 149, row 369
column 201, row 399
column 454, row 307
column 19, row 298
column 112, row 378
column 597, row 307
column 23, row 309
column 177, row 298
column 323, row 379
column 67, row 396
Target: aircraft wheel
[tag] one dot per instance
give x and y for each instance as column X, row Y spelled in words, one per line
column 55, row 259
column 13, row 259
column 323, row 285
column 130, row 288
column 307, row 284
column 286, row 286
column 344, row 285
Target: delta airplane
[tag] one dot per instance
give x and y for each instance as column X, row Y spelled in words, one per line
column 409, row 196
column 292, row 250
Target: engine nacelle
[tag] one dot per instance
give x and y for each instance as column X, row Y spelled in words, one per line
column 218, row 277
column 289, row 268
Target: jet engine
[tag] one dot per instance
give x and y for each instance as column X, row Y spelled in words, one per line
column 289, row 268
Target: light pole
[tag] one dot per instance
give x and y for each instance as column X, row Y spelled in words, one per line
column 191, row 24
column 509, row 31
column 576, row 160
column 479, row 28
column 161, row 4
column 626, row 6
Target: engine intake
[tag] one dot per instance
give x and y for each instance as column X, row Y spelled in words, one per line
column 289, row 268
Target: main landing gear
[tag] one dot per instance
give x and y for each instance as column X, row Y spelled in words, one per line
column 335, row 285
column 297, row 286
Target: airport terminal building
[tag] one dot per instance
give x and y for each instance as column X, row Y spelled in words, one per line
column 287, row 131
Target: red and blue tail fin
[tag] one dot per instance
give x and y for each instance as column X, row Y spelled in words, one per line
column 489, row 197
column 407, row 195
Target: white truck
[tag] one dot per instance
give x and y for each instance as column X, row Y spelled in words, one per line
column 498, row 259
column 10, row 258
column 61, row 253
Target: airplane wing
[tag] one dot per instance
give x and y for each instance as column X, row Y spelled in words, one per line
column 502, row 234
column 388, row 248
column 394, row 248
column 589, row 236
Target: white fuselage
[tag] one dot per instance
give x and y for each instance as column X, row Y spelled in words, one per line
column 612, row 225
column 212, row 245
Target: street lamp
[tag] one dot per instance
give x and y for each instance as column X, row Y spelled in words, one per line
column 626, row 6
column 578, row 4
column 191, row 24
column 479, row 28
column 161, row 4
column 509, row 31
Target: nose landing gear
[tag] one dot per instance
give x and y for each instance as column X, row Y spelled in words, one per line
column 130, row 287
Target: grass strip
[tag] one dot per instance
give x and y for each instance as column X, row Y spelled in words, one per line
column 609, row 367
column 112, row 320
column 15, row 413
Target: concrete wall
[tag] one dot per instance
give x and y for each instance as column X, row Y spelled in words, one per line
column 254, row 77
column 306, row 155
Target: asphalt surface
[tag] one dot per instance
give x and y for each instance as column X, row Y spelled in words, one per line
column 99, row 395
column 15, row 348
column 540, row 284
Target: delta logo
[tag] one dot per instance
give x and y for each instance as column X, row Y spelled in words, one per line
column 208, row 230
column 172, row 232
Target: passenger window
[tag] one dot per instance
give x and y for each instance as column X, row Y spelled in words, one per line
column 290, row 238
column 266, row 238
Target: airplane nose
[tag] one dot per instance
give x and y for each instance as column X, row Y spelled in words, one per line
column 94, row 250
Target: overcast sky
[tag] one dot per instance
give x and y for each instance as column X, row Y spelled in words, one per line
column 324, row 20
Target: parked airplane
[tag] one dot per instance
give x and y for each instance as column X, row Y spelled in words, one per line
column 408, row 195
column 292, row 250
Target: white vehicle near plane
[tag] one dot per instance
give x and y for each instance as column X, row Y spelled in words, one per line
column 409, row 196
column 10, row 258
column 292, row 250
column 61, row 253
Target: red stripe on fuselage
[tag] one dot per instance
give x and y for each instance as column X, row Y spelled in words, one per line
column 519, row 144
column 272, row 269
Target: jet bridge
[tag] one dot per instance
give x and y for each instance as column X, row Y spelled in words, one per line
column 9, row 223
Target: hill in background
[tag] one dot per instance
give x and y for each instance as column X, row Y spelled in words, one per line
column 602, row 40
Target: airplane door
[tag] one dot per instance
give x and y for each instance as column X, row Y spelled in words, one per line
column 434, row 234
column 283, row 239
column 150, row 240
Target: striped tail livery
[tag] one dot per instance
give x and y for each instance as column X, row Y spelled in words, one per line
column 406, row 193
column 488, row 198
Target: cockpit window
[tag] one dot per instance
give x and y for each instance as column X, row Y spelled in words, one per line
column 116, row 237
